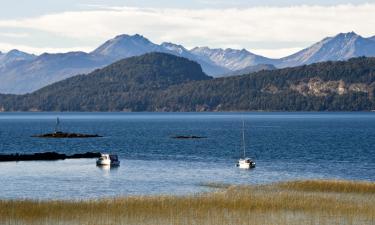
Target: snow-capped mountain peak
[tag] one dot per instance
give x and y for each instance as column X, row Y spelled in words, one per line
column 232, row 59
column 125, row 46
column 343, row 46
column 174, row 48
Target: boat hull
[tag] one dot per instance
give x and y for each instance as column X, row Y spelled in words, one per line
column 103, row 162
column 246, row 164
column 107, row 163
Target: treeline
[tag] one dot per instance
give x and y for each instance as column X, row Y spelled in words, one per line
column 161, row 82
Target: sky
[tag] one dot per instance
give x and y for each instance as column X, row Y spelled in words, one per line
column 270, row 28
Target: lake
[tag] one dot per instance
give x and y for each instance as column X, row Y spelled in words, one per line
column 286, row 146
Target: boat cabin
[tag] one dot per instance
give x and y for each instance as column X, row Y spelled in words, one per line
column 108, row 159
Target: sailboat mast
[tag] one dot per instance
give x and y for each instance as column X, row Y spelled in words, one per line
column 57, row 126
column 243, row 138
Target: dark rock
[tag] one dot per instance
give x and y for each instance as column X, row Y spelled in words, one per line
column 66, row 135
column 188, row 137
column 86, row 155
column 46, row 156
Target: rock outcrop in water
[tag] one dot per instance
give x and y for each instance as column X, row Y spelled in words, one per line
column 47, row 156
column 66, row 135
column 188, row 137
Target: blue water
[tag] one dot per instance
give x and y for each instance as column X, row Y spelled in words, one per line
column 286, row 146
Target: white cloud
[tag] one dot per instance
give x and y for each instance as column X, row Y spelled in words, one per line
column 210, row 27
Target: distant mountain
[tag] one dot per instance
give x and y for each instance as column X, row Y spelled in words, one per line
column 124, row 46
column 231, row 58
column 164, row 82
column 126, row 81
column 208, row 66
column 32, row 73
column 29, row 75
column 340, row 47
column 13, row 57
column 251, row 69
column 21, row 72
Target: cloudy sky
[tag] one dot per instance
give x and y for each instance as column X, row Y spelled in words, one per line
column 272, row 28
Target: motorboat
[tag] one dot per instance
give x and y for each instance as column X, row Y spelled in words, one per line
column 108, row 160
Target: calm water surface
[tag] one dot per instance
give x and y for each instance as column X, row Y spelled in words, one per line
column 286, row 146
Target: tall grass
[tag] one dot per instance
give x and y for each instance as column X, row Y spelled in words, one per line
column 330, row 186
column 299, row 202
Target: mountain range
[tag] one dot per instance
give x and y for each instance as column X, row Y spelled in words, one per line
column 21, row 72
column 165, row 82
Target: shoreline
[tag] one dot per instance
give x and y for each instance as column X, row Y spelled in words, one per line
column 294, row 202
column 187, row 112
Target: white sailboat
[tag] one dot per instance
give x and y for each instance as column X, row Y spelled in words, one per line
column 245, row 162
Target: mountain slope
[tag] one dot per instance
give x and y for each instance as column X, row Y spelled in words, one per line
column 162, row 82
column 231, row 58
column 151, row 71
column 251, row 69
column 124, row 46
column 327, row 86
column 208, row 66
column 341, row 47
column 29, row 75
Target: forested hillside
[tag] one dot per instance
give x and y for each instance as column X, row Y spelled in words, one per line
column 162, row 82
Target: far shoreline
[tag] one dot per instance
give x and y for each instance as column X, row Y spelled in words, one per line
column 233, row 111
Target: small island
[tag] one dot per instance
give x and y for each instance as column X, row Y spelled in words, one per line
column 66, row 135
column 188, row 137
column 59, row 134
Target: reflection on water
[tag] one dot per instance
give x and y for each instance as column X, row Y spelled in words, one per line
column 107, row 167
column 104, row 167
